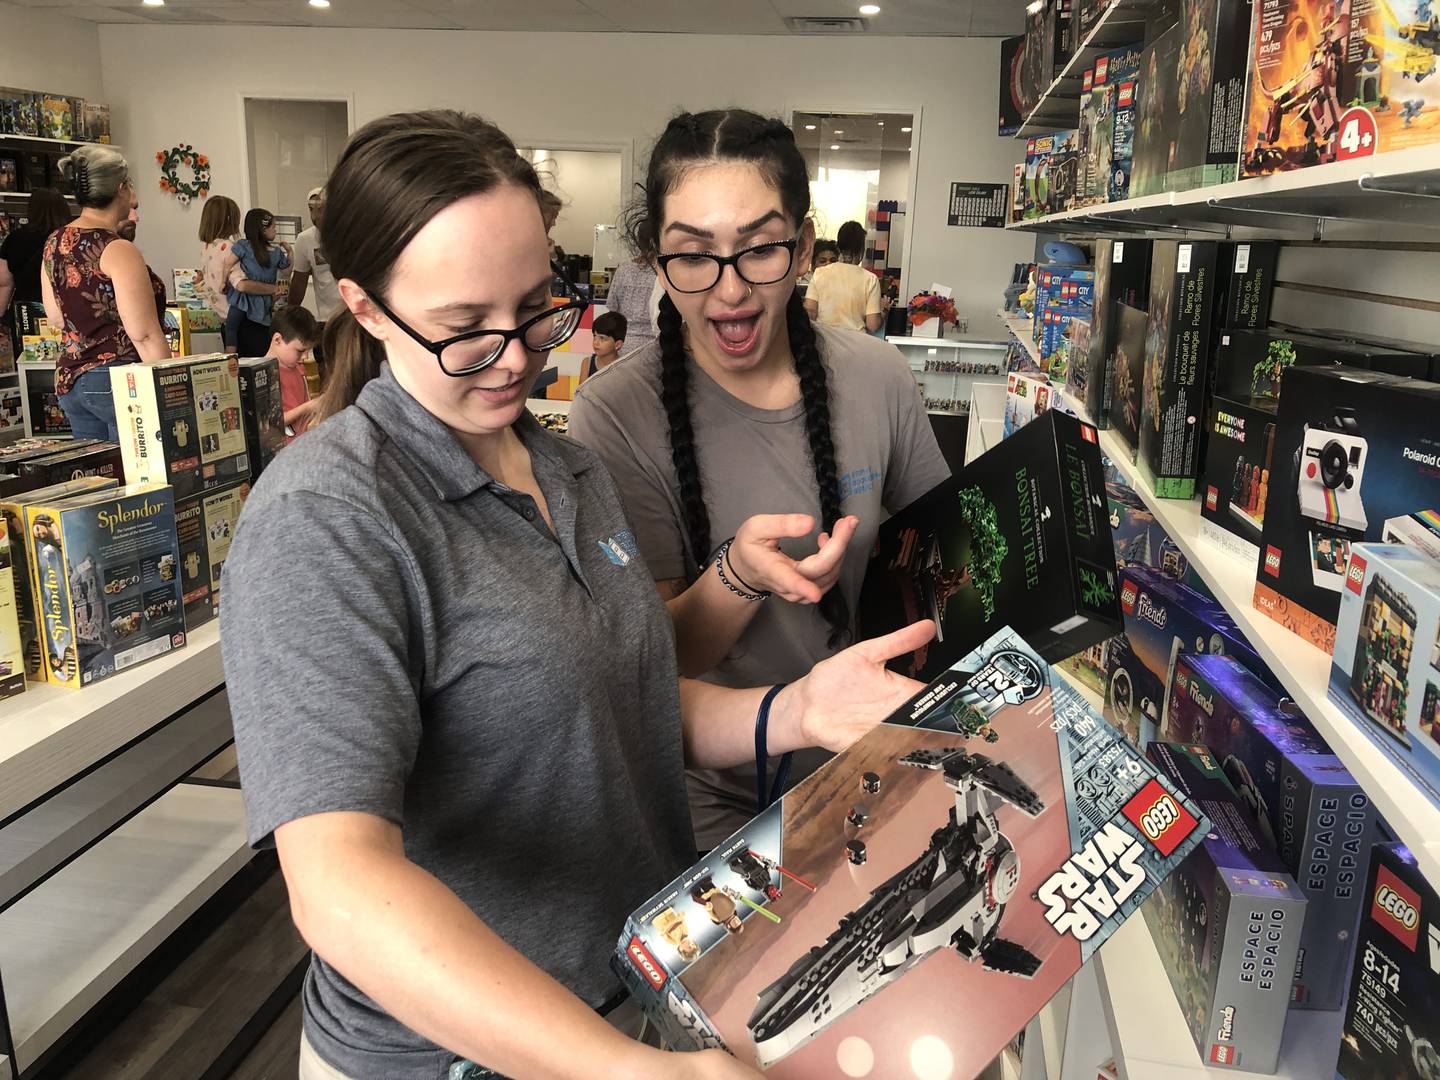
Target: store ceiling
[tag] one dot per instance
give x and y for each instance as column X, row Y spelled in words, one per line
column 927, row 18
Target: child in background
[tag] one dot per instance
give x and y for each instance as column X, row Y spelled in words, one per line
column 294, row 334
column 608, row 335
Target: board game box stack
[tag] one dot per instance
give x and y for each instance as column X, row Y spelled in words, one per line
column 939, row 880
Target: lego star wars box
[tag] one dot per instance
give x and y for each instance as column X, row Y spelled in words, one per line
column 12, row 650
column 180, row 423
column 1303, row 801
column 1210, row 92
column 1239, row 456
column 262, row 411
column 1245, row 284
column 1127, row 376
column 105, row 573
column 1030, row 396
column 1353, row 449
column 1156, row 114
column 1122, row 276
column 1163, row 617
column 1177, row 357
column 1019, row 536
column 1227, row 924
column 1392, row 1018
column 931, row 887
column 1385, row 672
column 1297, row 71
column 1390, row 63
column 204, row 528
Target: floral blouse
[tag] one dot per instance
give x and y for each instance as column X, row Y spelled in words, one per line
column 93, row 334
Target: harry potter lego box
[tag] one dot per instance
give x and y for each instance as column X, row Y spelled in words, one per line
column 922, row 895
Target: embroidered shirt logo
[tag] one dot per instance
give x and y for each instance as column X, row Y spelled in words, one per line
column 620, row 548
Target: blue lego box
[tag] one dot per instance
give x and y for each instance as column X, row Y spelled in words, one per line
column 1062, row 286
column 1305, row 802
column 1064, row 338
column 938, row 881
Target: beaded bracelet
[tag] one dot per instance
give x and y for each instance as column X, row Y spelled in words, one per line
column 738, row 587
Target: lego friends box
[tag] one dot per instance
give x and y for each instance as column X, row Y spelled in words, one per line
column 924, row 894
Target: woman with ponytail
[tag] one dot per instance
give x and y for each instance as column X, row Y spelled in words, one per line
column 744, row 407
column 490, row 670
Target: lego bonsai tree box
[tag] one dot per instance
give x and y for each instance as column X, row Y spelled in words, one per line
column 1385, row 673
column 1303, row 800
column 1122, row 276
column 1020, row 536
column 1353, row 449
column 1227, row 924
column 932, row 886
column 1392, row 1018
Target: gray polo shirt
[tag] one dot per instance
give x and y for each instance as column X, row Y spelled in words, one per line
column 404, row 637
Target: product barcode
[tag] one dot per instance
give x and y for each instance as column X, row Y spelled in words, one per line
column 141, row 652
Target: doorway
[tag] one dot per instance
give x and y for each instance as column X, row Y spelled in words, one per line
column 290, row 148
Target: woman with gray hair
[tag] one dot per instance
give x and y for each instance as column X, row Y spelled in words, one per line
column 97, row 291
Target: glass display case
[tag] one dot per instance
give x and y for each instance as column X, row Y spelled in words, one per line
column 946, row 370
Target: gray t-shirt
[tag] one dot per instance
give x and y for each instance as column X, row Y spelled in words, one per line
column 757, row 461
column 404, row 637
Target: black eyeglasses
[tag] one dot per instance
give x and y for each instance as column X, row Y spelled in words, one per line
column 699, row 271
column 475, row 350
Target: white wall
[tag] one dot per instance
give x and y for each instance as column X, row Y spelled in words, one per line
column 589, row 183
column 293, row 147
column 559, row 89
column 43, row 51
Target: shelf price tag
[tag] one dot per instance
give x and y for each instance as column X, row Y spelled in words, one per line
column 1357, row 134
column 1119, row 252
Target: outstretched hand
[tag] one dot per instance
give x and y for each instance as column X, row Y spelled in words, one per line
column 756, row 556
column 846, row 695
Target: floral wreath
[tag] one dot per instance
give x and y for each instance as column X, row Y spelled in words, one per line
column 170, row 162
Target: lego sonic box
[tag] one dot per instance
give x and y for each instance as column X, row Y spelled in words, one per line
column 1385, row 672
column 933, row 885
column 1019, row 536
column 1304, row 802
column 1392, row 1019
column 1227, row 924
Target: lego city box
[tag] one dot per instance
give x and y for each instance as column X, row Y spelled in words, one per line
column 105, row 570
column 1239, row 456
column 1064, row 336
column 1210, row 87
column 1177, row 358
column 1020, row 536
column 1303, row 801
column 1392, row 1016
column 1297, row 76
column 1385, row 671
column 1353, row 449
column 262, row 412
column 181, row 423
column 1122, row 276
column 204, row 529
column 926, row 892
column 1228, row 923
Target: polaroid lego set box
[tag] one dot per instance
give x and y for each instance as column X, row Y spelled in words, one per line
column 1297, row 76
column 204, row 528
column 105, row 568
column 1392, row 1019
column 1228, row 923
column 1211, row 81
column 938, row 881
column 1063, row 329
column 1177, row 358
column 1028, row 397
column 1390, row 61
column 12, row 649
column 180, row 423
column 1239, row 457
column 1385, row 671
column 1021, row 536
column 1122, row 276
column 1127, row 376
column 262, row 412
column 1353, row 449
column 1156, row 121
column 1163, row 618
column 1303, row 800
column 1245, row 284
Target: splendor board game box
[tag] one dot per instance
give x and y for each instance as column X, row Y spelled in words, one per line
column 1020, row 536
column 933, row 885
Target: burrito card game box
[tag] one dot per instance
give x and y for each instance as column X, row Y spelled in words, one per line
column 204, row 529
column 931, row 887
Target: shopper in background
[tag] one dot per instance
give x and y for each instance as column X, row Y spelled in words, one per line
column 260, row 260
column 845, row 294
column 550, row 207
column 97, row 291
column 459, row 869
column 21, row 254
column 608, row 335
column 826, row 252
column 743, row 408
column 295, row 332
column 311, row 264
column 128, row 230
column 630, row 292
column 219, row 229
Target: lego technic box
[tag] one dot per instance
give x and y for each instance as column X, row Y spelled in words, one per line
column 1122, row 276
column 1392, row 1019
column 931, row 887
column 1227, row 924
column 105, row 572
column 1385, row 672
column 204, row 529
column 1303, row 801
column 1020, row 536
column 180, row 423
column 1353, row 449
column 1297, row 76
column 1210, row 92
column 1239, row 454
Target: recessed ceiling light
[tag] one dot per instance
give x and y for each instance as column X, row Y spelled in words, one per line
column 904, row 129
column 839, row 132
column 319, row 3
column 880, row 122
column 809, row 127
column 869, row 9
column 834, row 146
column 153, row 3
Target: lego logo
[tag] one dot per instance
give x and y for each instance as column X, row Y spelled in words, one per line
column 1126, row 96
column 1395, row 905
column 1212, row 498
column 1182, row 678
column 645, row 963
column 1396, row 908
column 1355, row 574
column 1087, row 433
column 1272, row 561
column 1222, row 1055
column 1127, row 598
column 1159, row 817
column 1102, row 67
column 1012, row 384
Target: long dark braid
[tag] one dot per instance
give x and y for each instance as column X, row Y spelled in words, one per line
column 675, row 397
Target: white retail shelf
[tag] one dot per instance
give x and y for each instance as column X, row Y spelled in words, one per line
column 11, row 136
column 1148, row 1032
column 1123, row 23
column 68, row 943
column 48, row 734
column 1020, row 330
column 943, row 343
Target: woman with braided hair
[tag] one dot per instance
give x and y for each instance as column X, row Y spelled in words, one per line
column 743, row 407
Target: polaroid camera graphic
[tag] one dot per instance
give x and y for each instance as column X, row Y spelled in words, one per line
column 1332, row 465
